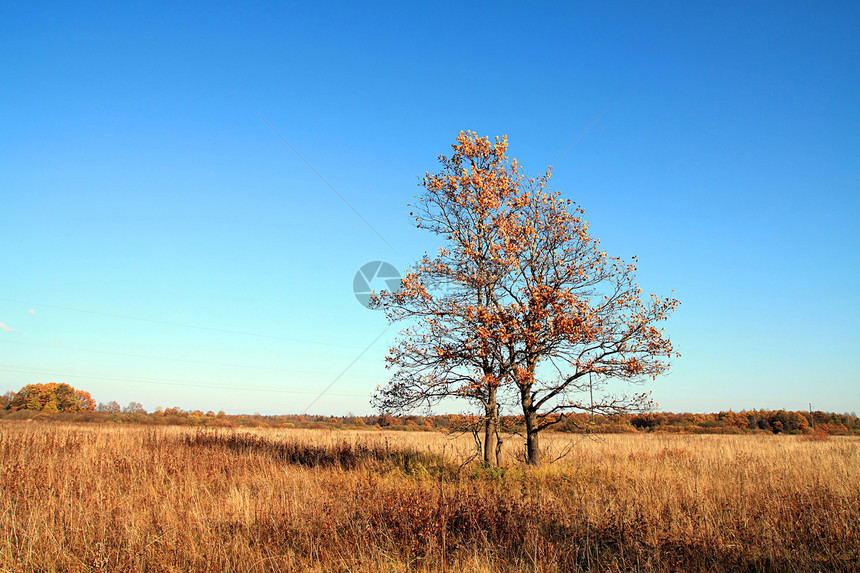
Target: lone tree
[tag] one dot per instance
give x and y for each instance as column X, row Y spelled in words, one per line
column 534, row 305
column 51, row 397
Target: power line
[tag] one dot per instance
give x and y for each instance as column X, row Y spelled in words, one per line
column 173, row 359
column 168, row 382
column 324, row 180
column 172, row 323
column 338, row 377
column 578, row 137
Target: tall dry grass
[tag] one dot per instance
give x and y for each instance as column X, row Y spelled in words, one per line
column 99, row 498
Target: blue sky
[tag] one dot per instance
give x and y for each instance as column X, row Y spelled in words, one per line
column 160, row 243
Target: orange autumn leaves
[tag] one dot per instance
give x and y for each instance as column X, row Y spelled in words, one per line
column 52, row 397
column 518, row 285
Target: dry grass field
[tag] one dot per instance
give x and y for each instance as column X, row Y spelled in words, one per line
column 104, row 498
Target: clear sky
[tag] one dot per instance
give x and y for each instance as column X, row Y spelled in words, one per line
column 159, row 242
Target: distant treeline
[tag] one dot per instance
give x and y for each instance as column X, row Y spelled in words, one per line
column 61, row 402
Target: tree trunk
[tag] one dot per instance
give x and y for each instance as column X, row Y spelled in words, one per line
column 532, row 435
column 491, row 424
column 532, row 439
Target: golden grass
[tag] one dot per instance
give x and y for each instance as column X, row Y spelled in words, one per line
column 101, row 498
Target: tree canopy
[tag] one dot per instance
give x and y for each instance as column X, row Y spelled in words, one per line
column 52, row 397
column 530, row 305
